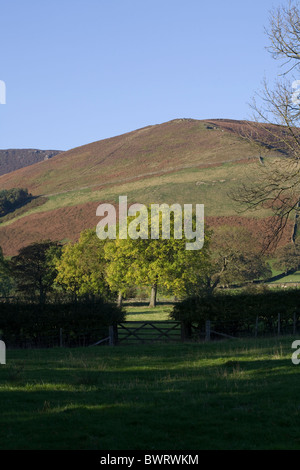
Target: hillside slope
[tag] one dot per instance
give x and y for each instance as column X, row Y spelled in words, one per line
column 184, row 161
column 154, row 150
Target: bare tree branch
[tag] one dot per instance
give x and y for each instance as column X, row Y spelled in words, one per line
column 275, row 132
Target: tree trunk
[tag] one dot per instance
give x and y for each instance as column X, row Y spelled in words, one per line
column 153, row 295
column 295, row 225
column 120, row 299
column 42, row 294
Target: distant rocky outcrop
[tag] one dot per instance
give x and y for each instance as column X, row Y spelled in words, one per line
column 13, row 159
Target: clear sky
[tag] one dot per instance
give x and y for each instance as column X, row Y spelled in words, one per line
column 78, row 71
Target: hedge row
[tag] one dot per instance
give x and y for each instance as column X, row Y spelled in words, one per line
column 29, row 324
column 242, row 307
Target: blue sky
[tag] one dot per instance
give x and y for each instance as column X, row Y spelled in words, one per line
column 78, row 71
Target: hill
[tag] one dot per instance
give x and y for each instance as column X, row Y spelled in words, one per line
column 183, row 161
column 14, row 159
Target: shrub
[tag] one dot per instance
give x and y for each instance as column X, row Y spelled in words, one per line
column 11, row 199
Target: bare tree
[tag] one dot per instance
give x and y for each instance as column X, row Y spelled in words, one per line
column 274, row 131
column 236, row 258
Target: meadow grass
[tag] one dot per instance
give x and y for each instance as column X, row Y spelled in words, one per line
column 232, row 394
column 141, row 312
column 295, row 277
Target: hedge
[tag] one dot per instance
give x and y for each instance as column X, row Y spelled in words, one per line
column 29, row 324
column 239, row 311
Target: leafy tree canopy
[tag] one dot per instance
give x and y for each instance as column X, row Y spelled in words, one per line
column 288, row 257
column 34, row 270
column 81, row 268
column 10, row 199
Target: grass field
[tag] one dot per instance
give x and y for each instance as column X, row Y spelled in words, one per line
column 234, row 394
column 294, row 278
column 144, row 313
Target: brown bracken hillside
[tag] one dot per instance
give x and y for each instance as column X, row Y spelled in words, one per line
column 184, row 160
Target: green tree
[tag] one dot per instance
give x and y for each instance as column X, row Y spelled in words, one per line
column 155, row 263
column 81, row 268
column 33, row 269
column 11, row 199
column 6, row 282
column 288, row 257
column 168, row 264
column 119, row 271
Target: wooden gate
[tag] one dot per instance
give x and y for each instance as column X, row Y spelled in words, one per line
column 145, row 332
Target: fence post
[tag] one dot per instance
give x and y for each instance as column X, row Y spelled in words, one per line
column 207, row 330
column 278, row 324
column 60, row 338
column 116, row 336
column 113, row 334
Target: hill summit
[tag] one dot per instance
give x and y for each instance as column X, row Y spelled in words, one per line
column 180, row 161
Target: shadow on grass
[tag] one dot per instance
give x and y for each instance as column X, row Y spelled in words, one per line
column 234, row 404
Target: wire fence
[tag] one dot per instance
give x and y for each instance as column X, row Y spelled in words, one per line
column 58, row 337
column 150, row 332
column 261, row 326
